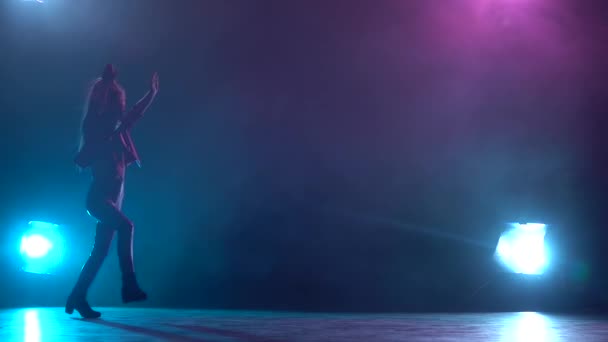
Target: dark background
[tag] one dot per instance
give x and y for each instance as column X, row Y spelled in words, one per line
column 316, row 155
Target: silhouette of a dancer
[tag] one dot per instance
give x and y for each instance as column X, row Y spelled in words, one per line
column 107, row 149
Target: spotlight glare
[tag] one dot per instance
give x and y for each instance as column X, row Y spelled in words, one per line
column 41, row 248
column 35, row 246
column 522, row 248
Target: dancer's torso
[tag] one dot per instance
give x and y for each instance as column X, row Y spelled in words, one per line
column 109, row 174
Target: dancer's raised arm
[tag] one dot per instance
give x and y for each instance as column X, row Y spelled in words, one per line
column 142, row 105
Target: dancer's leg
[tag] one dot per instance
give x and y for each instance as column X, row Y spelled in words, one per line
column 103, row 239
column 77, row 299
column 111, row 214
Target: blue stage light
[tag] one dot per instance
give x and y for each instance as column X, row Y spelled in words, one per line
column 35, row 246
column 41, row 248
column 522, row 248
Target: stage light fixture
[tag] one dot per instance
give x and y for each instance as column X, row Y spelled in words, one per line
column 521, row 248
column 35, row 246
column 41, row 248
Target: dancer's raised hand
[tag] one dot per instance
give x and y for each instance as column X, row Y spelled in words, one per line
column 154, row 83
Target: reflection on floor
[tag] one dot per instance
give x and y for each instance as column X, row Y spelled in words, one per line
column 51, row 324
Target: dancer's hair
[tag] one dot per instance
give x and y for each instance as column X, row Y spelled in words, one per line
column 104, row 106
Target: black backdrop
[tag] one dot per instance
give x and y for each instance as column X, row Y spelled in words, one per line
column 343, row 155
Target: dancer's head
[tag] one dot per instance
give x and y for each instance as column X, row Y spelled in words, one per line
column 106, row 96
column 105, row 103
column 109, row 73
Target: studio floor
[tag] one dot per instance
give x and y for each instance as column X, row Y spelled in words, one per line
column 120, row 324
